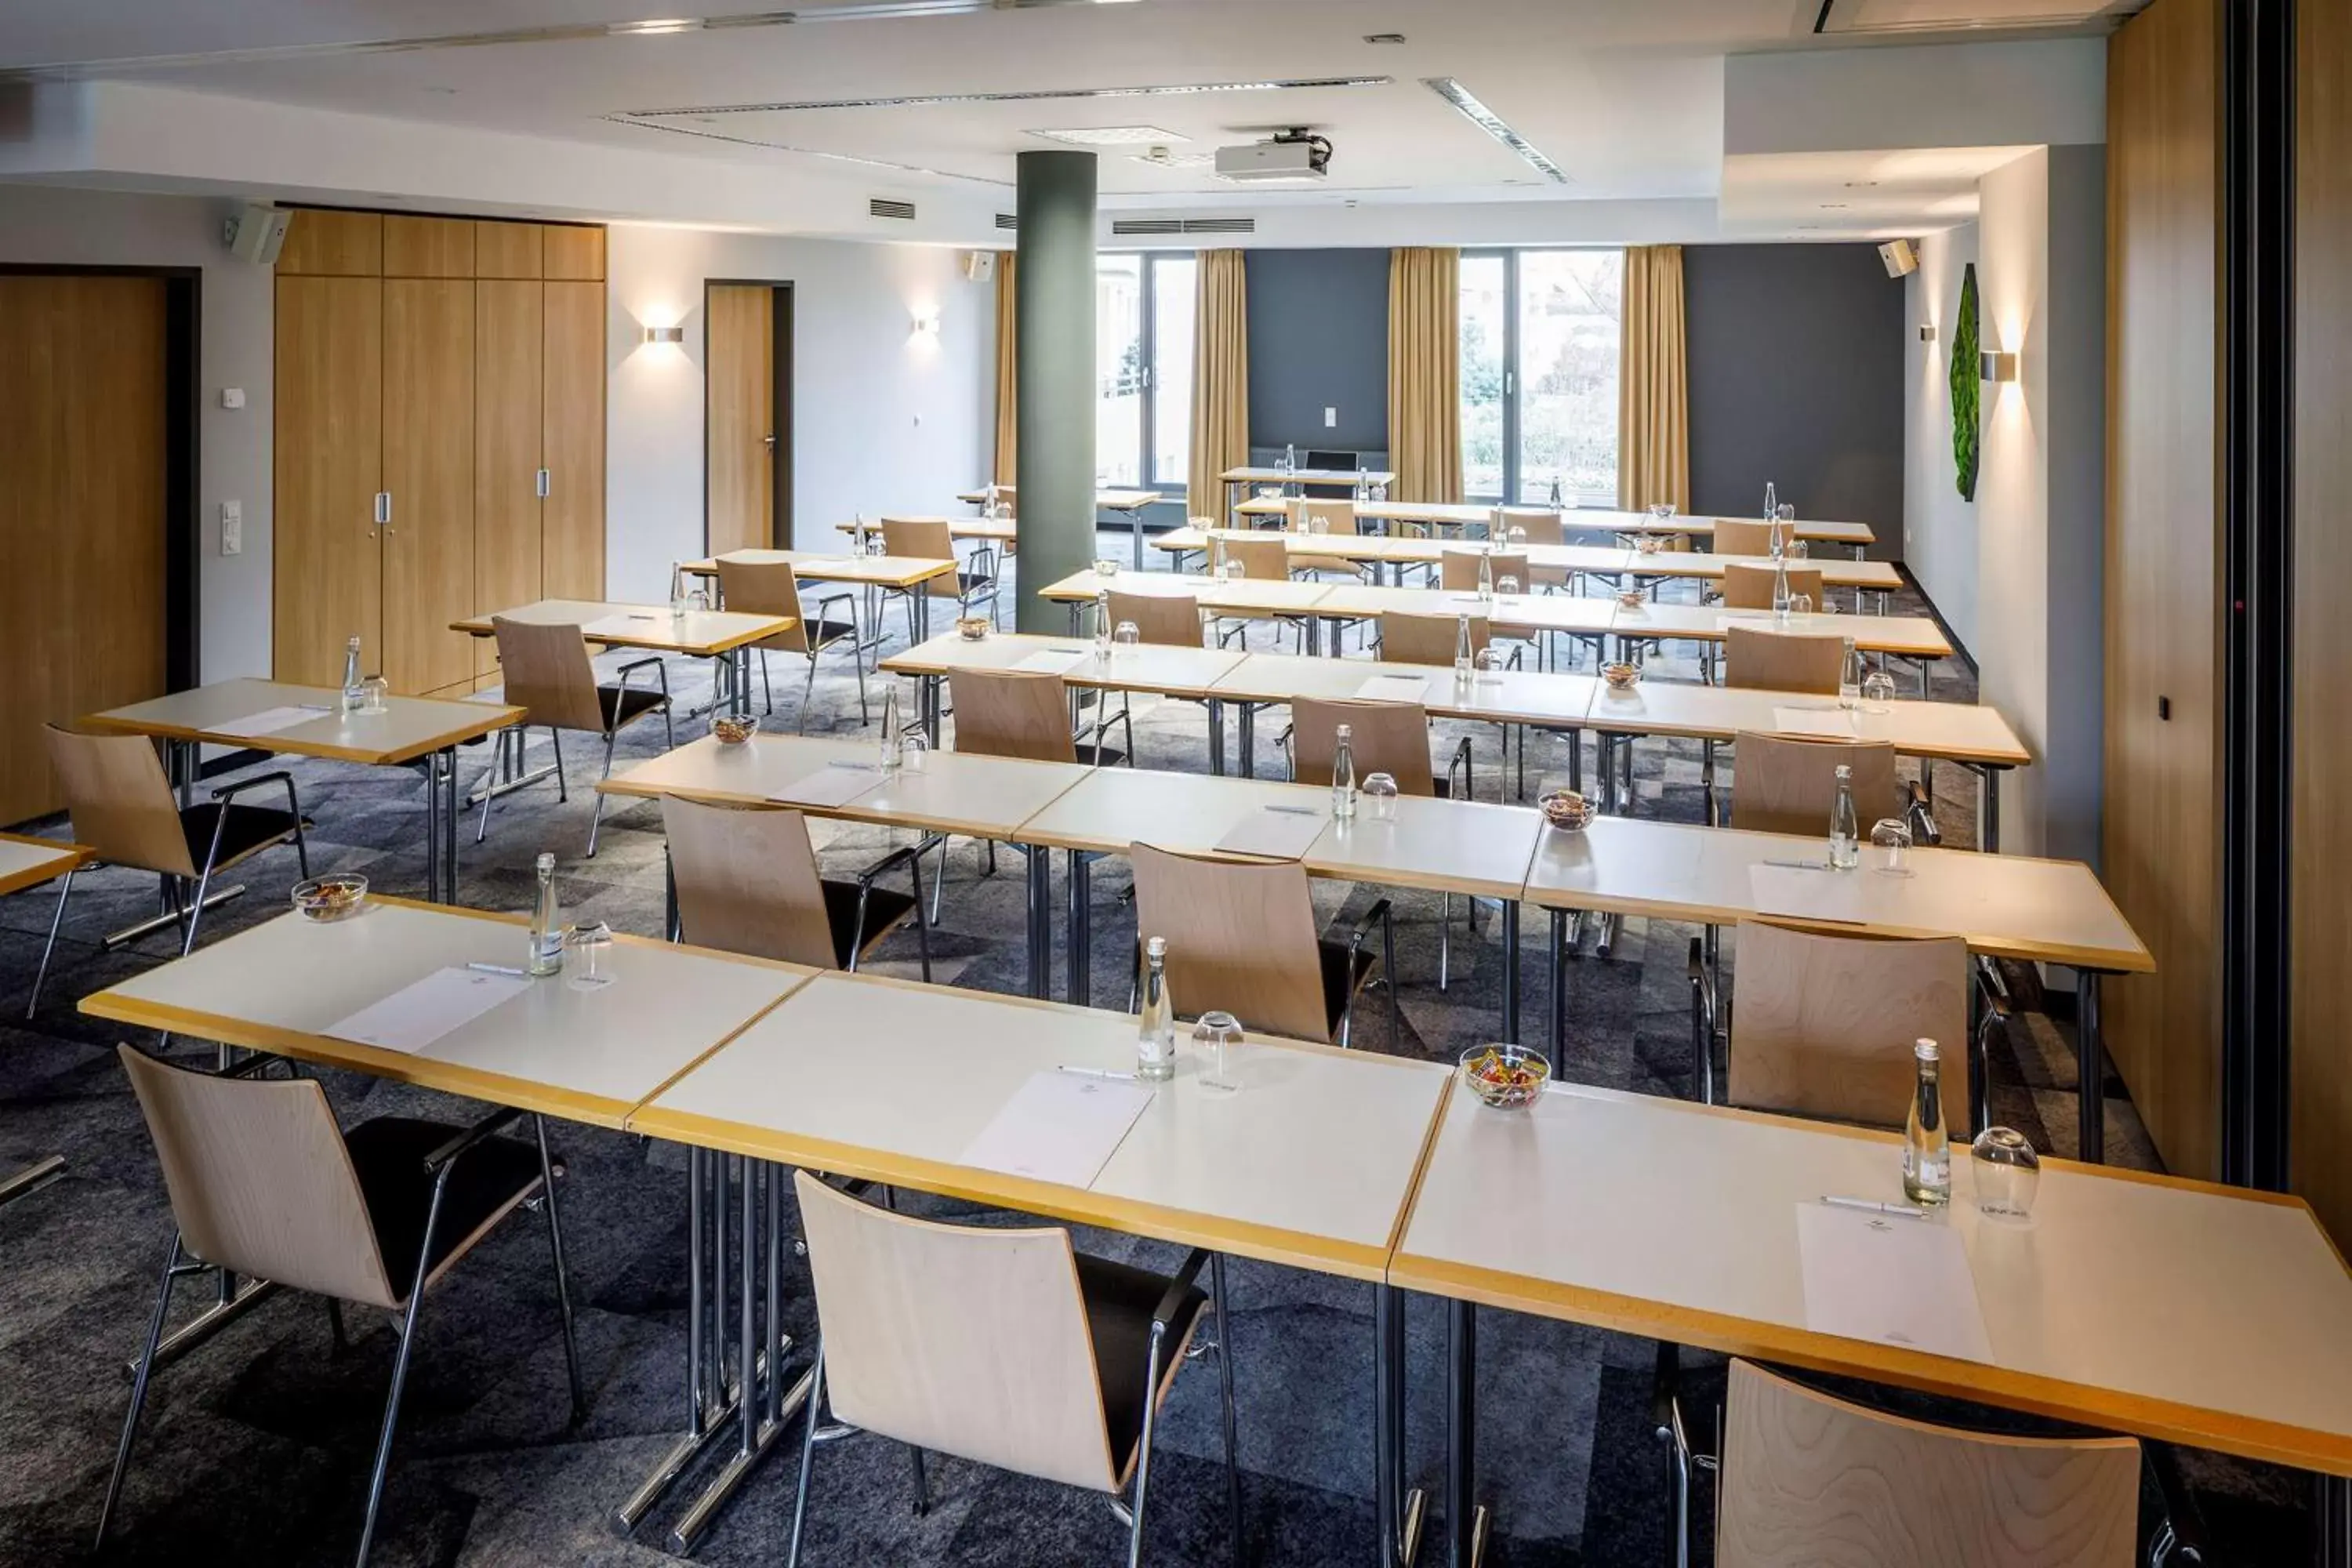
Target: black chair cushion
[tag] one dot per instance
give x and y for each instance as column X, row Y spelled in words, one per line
column 1098, row 756
column 971, row 582
column 388, row 1153
column 824, row 634
column 622, row 704
column 246, row 829
column 1120, row 1299
column 884, row 909
column 1343, row 972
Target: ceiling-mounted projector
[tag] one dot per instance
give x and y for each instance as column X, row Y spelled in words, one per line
column 1289, row 155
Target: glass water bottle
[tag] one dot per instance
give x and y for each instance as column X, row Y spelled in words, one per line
column 1102, row 625
column 1850, row 677
column 1462, row 655
column 1487, row 574
column 1290, row 459
column 678, row 604
column 889, row 755
column 354, row 683
column 1343, row 776
column 546, row 922
column 1155, row 1032
column 1926, row 1151
column 1780, row 588
column 1845, row 828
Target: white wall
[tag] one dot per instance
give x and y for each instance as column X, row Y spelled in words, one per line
column 48, row 226
column 1939, row 529
column 884, row 420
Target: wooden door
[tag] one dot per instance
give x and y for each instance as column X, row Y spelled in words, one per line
column 327, row 552
column 428, row 470
column 740, row 427
column 507, row 420
column 572, row 441
column 82, row 521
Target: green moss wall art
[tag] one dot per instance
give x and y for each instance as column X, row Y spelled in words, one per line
column 1964, row 386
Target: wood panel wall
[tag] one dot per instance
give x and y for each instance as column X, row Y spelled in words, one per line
column 82, row 520
column 2164, row 521
column 2320, row 1130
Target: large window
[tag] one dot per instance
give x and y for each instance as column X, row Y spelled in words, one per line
column 1143, row 369
column 1539, row 334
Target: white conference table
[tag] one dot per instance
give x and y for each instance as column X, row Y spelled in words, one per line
column 28, row 862
column 723, row 637
column 2172, row 1310
column 408, row 729
column 1479, row 514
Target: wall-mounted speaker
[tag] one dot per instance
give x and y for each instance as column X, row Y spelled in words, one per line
column 257, row 235
column 979, row 265
column 1901, row 257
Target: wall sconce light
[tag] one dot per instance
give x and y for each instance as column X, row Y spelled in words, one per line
column 1927, row 333
column 666, row 334
column 927, row 326
column 1996, row 367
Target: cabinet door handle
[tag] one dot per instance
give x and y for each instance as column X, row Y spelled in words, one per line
column 383, row 507
column 542, row 484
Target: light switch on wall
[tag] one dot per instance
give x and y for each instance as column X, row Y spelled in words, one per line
column 232, row 527
column 1330, row 419
column 231, row 397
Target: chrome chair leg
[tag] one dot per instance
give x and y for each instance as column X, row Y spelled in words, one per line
column 555, row 743
column 139, row 1389
column 57, row 922
column 1226, row 1395
column 597, row 823
column 922, row 932
column 808, row 688
column 808, row 1453
column 562, row 1274
column 922, row 1482
column 399, row 1366
column 768, row 686
column 499, row 743
column 1143, row 1450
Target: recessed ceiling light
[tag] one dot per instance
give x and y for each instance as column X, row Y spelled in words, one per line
column 1110, row 135
column 1486, row 120
column 1160, row 158
column 1385, row 37
column 654, row 28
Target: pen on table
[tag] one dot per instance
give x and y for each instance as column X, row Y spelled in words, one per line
column 1801, row 865
column 1098, row 1072
column 512, row 970
column 1871, row 1205
column 1296, row 810
column 1065, row 650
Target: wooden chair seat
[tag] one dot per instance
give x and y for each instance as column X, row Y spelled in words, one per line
column 388, row 1156
column 247, row 830
column 1119, row 1300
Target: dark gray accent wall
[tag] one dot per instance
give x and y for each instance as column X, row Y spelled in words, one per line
column 1795, row 376
column 1318, row 338
column 1055, row 391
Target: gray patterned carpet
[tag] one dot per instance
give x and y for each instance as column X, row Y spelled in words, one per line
column 255, row 1447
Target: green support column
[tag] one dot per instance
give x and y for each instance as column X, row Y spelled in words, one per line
column 1056, row 378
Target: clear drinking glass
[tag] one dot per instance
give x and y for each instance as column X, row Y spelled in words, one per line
column 1516, row 537
column 1663, row 511
column 1489, row 663
column 1507, row 585
column 1380, row 797
column 372, row 692
column 1878, row 692
column 1107, row 567
column 1234, row 570
column 1788, row 512
column 1890, row 847
column 1128, row 635
column 914, row 750
column 591, row 942
column 2008, row 1173
column 1213, row 1035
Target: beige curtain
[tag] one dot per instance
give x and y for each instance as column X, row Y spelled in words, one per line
column 1425, row 373
column 1652, row 384
column 1008, row 412
column 1220, row 380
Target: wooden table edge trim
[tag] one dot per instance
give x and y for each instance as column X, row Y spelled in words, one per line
column 709, row 567
column 618, row 785
column 72, row 856
column 494, row 717
column 775, row 626
column 2192, row 1427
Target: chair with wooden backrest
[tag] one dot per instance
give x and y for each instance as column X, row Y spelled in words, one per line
column 770, row 588
column 1806, row 1479
column 547, row 674
column 1537, row 525
column 123, row 809
column 1407, row 637
column 1021, row 713
column 1788, row 784
column 1009, row 1348
column 1264, row 558
column 1301, row 513
column 1241, row 939
column 748, row 883
column 1749, row 586
column 1762, row 659
column 1457, row 570
column 1168, row 620
column 264, row 1184
column 930, row 539
column 1743, row 536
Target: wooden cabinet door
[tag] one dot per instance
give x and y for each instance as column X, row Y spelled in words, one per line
column 82, row 520
column 740, row 430
column 428, row 468
column 327, row 552
column 571, row 446
column 505, row 451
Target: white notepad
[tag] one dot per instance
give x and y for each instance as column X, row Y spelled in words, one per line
column 1394, row 688
column 836, row 783
column 1058, row 1127
column 415, row 1016
column 1835, row 723
column 631, row 625
column 1804, row 893
column 1279, row 833
column 270, row 720
column 1891, row 1280
column 1052, row 660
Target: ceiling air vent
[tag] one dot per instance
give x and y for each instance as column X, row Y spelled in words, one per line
column 1007, row 220
column 877, row 207
column 1156, row 225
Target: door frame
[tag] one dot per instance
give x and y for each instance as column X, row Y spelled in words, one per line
column 780, row 404
column 183, row 519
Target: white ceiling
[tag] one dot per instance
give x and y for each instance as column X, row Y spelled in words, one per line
column 1626, row 96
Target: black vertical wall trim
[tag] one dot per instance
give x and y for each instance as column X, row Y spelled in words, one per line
column 2258, row 545
column 780, row 522
column 183, row 487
